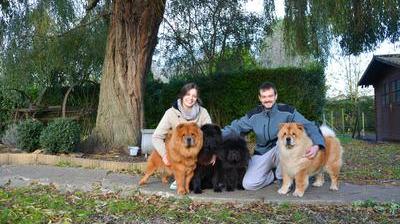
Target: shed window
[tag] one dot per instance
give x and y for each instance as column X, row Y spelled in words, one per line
column 397, row 91
column 386, row 94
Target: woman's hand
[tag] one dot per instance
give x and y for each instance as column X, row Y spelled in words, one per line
column 165, row 160
column 213, row 159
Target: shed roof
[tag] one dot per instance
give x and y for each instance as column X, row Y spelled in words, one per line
column 375, row 67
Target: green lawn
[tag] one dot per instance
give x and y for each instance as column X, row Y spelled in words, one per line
column 371, row 163
column 44, row 204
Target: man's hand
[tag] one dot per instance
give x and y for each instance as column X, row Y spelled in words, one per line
column 213, row 159
column 165, row 160
column 312, row 151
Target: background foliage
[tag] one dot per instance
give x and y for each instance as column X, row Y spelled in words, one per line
column 201, row 37
column 351, row 111
column 229, row 96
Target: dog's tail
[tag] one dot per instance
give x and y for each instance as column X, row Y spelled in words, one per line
column 327, row 131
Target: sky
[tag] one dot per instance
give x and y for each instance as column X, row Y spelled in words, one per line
column 334, row 71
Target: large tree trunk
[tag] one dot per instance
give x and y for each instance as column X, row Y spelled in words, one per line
column 131, row 41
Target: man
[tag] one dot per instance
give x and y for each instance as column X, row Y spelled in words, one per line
column 264, row 121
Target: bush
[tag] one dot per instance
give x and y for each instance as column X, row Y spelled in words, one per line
column 10, row 136
column 28, row 133
column 61, row 135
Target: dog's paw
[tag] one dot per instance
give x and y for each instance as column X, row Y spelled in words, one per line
column 318, row 184
column 181, row 191
column 164, row 180
column 229, row 188
column 283, row 191
column 142, row 182
column 218, row 189
column 298, row 193
column 197, row 191
column 334, row 188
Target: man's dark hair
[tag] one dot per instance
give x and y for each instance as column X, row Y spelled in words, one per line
column 266, row 86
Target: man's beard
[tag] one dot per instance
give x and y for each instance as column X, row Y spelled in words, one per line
column 271, row 103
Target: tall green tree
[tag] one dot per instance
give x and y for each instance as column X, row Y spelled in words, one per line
column 203, row 36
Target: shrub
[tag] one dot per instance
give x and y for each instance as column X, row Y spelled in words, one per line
column 61, row 135
column 10, row 136
column 28, row 133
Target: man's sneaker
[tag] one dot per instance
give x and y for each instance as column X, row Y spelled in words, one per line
column 279, row 182
column 173, row 185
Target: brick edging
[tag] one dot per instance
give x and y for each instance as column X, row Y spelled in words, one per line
column 41, row 159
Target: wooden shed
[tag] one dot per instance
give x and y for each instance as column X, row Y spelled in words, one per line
column 383, row 73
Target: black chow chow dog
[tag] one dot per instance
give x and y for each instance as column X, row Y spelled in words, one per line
column 204, row 173
column 234, row 157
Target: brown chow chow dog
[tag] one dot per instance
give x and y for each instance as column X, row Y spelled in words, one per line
column 182, row 145
column 293, row 142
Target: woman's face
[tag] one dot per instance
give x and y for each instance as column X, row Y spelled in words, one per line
column 190, row 98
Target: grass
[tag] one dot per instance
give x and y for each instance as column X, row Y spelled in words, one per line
column 44, row 204
column 66, row 163
column 371, row 163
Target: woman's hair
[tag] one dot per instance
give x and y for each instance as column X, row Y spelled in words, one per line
column 186, row 88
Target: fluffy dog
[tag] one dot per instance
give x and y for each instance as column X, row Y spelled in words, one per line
column 204, row 174
column 183, row 146
column 293, row 142
column 234, row 158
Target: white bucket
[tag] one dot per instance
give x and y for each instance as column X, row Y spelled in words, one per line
column 133, row 150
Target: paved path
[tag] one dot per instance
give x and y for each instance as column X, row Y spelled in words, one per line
column 68, row 179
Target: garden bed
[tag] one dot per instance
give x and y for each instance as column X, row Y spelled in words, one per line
column 113, row 155
column 112, row 161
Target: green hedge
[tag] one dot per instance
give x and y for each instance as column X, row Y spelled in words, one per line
column 230, row 96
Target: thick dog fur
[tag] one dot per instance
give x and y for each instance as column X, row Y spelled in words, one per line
column 234, row 157
column 183, row 146
column 204, row 174
column 293, row 142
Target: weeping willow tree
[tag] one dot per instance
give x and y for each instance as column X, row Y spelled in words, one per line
column 309, row 28
column 131, row 41
column 47, row 44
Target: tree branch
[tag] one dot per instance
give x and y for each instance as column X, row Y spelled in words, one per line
column 185, row 45
column 81, row 24
column 91, row 4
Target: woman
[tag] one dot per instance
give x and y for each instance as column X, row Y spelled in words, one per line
column 186, row 109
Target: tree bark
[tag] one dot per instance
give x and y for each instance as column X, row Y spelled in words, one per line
column 130, row 45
